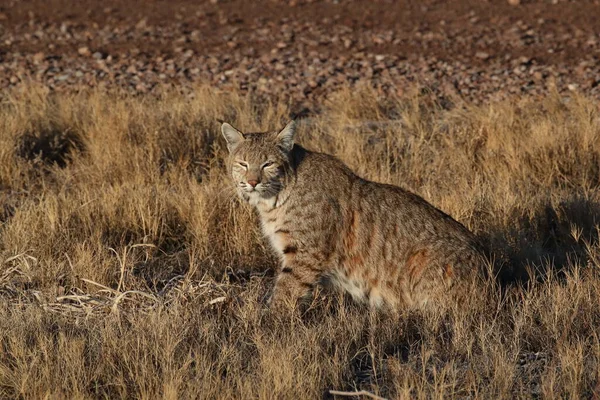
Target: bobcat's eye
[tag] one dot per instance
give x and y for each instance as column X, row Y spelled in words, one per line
column 242, row 164
column 267, row 164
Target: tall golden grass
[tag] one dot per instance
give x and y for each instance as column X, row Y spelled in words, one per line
column 128, row 269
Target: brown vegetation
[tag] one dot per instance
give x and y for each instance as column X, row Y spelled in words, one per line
column 129, row 269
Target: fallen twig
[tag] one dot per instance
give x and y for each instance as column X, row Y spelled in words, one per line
column 354, row 394
column 217, row 300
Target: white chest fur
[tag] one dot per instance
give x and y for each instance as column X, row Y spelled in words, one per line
column 278, row 238
column 272, row 217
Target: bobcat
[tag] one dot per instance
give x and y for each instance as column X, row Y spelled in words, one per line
column 384, row 245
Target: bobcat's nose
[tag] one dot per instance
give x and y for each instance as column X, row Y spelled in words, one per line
column 253, row 182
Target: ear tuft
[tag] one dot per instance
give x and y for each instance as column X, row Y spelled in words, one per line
column 232, row 136
column 285, row 138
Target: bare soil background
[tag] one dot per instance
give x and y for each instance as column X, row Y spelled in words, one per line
column 305, row 49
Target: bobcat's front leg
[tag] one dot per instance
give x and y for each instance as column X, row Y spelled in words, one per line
column 295, row 281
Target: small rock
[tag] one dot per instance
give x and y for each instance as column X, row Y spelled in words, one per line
column 514, row 2
column 84, row 51
column 482, row 55
column 38, row 57
column 142, row 24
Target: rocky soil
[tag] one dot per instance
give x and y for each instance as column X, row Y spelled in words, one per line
column 304, row 49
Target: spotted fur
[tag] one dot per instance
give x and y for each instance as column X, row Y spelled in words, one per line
column 383, row 245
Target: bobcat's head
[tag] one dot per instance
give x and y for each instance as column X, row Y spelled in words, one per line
column 259, row 163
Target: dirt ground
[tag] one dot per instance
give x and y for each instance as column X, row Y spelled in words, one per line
column 477, row 51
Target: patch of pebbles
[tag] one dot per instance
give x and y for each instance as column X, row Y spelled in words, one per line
column 475, row 55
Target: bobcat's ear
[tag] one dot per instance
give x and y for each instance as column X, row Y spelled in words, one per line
column 285, row 138
column 232, row 136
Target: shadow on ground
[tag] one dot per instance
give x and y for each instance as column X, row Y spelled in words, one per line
column 553, row 240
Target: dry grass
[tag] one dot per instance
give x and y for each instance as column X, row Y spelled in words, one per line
column 127, row 269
